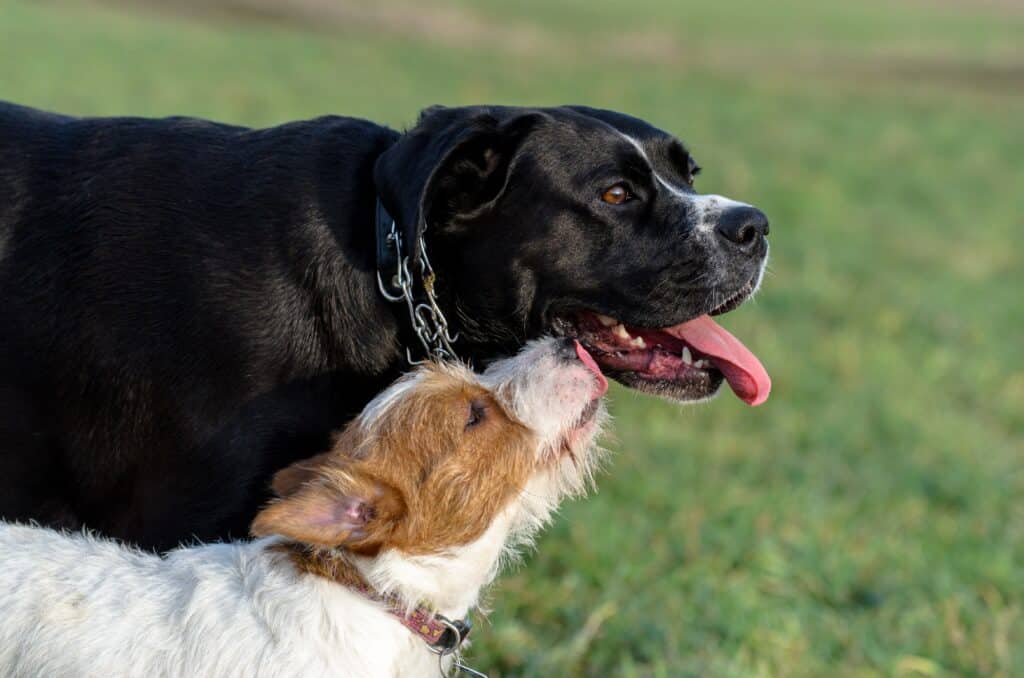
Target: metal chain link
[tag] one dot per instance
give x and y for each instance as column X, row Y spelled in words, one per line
column 428, row 322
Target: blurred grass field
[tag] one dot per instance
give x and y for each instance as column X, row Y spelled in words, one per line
column 869, row 519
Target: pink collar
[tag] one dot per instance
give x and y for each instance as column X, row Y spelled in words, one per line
column 443, row 635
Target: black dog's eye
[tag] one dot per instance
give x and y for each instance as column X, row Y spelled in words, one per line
column 616, row 194
column 694, row 171
column 477, row 413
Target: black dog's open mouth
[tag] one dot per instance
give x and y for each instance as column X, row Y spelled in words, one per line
column 688, row 361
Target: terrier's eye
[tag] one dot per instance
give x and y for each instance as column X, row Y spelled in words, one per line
column 477, row 413
column 616, row 194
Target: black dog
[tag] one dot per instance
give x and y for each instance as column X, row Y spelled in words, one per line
column 186, row 307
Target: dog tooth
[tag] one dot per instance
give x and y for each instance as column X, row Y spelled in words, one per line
column 701, row 364
column 687, row 356
column 638, row 342
column 605, row 320
column 620, row 332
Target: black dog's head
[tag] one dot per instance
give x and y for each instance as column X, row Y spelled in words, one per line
column 582, row 222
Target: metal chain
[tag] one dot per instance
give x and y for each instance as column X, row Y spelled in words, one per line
column 428, row 322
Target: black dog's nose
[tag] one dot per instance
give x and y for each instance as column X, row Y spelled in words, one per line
column 743, row 225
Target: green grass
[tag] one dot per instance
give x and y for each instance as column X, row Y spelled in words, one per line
column 869, row 519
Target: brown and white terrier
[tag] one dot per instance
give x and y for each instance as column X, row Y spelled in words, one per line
column 369, row 558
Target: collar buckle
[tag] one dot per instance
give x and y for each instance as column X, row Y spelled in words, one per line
column 451, row 640
column 455, row 633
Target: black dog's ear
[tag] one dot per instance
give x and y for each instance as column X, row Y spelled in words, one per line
column 453, row 164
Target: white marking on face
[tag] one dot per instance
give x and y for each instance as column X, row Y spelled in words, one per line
column 711, row 207
column 708, row 207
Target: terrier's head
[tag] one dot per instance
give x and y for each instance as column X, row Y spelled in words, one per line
column 445, row 456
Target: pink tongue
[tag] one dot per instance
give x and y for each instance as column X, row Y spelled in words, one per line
column 591, row 364
column 741, row 368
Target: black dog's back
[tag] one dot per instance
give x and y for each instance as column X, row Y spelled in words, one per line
column 159, row 278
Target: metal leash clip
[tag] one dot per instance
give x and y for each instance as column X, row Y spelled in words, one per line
column 428, row 322
column 459, row 632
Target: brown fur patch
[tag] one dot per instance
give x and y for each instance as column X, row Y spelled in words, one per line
column 288, row 481
column 324, row 564
column 421, row 478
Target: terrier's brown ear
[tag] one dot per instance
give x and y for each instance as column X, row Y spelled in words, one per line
column 288, row 480
column 357, row 512
column 346, row 448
